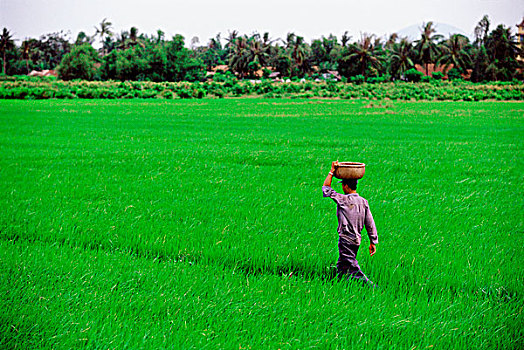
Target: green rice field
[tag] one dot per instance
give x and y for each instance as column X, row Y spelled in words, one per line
column 201, row 224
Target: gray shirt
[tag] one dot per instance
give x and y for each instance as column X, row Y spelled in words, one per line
column 353, row 214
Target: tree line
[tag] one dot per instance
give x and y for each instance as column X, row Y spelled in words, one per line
column 131, row 55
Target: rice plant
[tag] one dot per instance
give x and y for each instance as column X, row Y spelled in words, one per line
column 194, row 224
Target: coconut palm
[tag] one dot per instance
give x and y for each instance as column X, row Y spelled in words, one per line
column 295, row 55
column 128, row 39
column 454, row 52
column 299, row 55
column 104, row 31
column 392, row 41
column 238, row 55
column 133, row 36
column 299, row 51
column 230, row 42
column 122, row 40
column 257, row 52
column 27, row 50
column 400, row 57
column 266, row 40
column 345, row 39
column 83, row 38
column 290, row 40
column 364, row 54
column 426, row 46
column 214, row 43
column 6, row 43
column 502, row 50
column 482, row 30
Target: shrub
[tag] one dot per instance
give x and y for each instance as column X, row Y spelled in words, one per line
column 199, row 93
column 25, row 88
column 437, row 75
column 221, row 76
column 380, row 79
column 219, row 93
column 454, row 74
column 413, row 75
column 358, row 79
column 184, row 93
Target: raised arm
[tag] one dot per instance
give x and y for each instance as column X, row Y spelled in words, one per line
column 327, row 181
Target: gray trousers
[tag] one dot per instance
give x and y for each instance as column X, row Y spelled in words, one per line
column 347, row 265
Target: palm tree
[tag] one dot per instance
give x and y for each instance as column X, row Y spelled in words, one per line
column 392, row 41
column 454, row 53
column 6, row 43
column 128, row 39
column 365, row 55
column 400, row 59
column 27, row 46
column 426, row 46
column 266, row 40
column 230, row 42
column 290, row 40
column 159, row 37
column 502, row 50
column 214, row 43
column 213, row 53
column 299, row 52
column 238, row 60
column 122, row 40
column 257, row 52
column 482, row 30
column 83, row 38
column 345, row 39
column 104, row 31
column 133, row 36
column 294, row 54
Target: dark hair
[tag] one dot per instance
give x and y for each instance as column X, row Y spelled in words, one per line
column 352, row 183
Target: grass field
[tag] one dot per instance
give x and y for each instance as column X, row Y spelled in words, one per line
column 201, row 224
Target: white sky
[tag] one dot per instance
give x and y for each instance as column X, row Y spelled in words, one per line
column 206, row 18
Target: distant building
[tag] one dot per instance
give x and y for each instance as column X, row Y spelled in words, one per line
column 332, row 75
column 44, row 73
column 520, row 39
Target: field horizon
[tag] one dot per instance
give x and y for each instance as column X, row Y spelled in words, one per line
column 201, row 224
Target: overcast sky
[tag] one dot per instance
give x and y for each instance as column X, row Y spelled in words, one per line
column 206, row 18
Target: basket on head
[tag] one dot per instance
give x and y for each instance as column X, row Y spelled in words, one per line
column 350, row 170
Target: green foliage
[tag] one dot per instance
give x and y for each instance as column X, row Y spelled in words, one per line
column 131, row 55
column 80, row 63
column 48, row 51
column 358, row 79
column 223, row 77
column 152, row 61
column 426, row 47
column 454, row 74
column 363, row 58
column 413, row 75
column 381, row 79
column 376, row 87
column 437, row 75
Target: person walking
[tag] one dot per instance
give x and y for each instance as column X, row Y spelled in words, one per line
column 353, row 214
